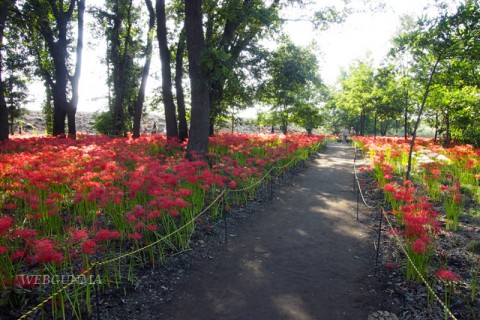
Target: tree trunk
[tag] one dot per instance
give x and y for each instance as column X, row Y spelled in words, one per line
column 119, row 67
column 182, row 119
column 170, row 114
column 199, row 123
column 138, row 109
column 284, row 124
column 4, row 8
column 448, row 137
column 233, row 119
column 59, row 90
column 72, row 110
column 384, row 128
column 57, row 44
column 436, row 128
column 362, row 123
column 375, row 128
column 419, row 117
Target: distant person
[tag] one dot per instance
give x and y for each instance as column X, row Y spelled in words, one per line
column 154, row 127
column 352, row 132
column 345, row 135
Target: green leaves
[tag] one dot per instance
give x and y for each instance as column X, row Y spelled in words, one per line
column 294, row 85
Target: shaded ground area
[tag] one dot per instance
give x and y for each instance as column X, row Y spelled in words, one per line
column 301, row 256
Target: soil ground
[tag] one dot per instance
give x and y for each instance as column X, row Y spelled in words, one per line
column 302, row 255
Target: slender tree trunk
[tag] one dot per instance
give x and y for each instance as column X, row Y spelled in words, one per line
column 382, row 128
column 362, row 123
column 200, row 120
column 120, row 68
column 436, row 128
column 59, row 91
column 375, row 128
column 182, row 119
column 448, row 137
column 170, row 114
column 48, row 109
column 138, row 109
column 419, row 117
column 72, row 130
column 284, row 121
column 233, row 119
column 4, row 8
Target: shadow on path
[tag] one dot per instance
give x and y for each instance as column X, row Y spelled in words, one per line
column 301, row 256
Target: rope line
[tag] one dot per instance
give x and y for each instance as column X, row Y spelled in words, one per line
column 118, row 258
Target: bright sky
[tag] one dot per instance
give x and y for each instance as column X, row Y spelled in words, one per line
column 362, row 33
column 339, row 46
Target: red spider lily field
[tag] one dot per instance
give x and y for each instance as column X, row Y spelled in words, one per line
column 434, row 216
column 81, row 215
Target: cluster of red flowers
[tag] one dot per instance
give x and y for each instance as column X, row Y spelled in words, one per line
column 442, row 174
column 64, row 199
column 416, row 214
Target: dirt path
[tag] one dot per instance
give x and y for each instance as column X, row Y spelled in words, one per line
column 301, row 256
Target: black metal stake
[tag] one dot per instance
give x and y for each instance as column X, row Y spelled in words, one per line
column 271, row 188
column 354, row 180
column 378, row 239
column 225, row 222
column 358, row 202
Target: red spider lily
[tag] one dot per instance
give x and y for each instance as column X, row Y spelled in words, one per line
column 129, row 217
column 447, row 275
column 390, row 187
column 79, row 235
column 26, row 281
column 44, row 252
column 106, row 235
column 153, row 214
column 435, row 173
column 388, row 176
column 152, row 227
column 10, row 206
column 419, row 246
column 138, row 211
column 25, row 234
column 6, row 222
column 18, row 255
column 89, row 246
column 3, row 250
column 135, row 236
column 232, row 184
